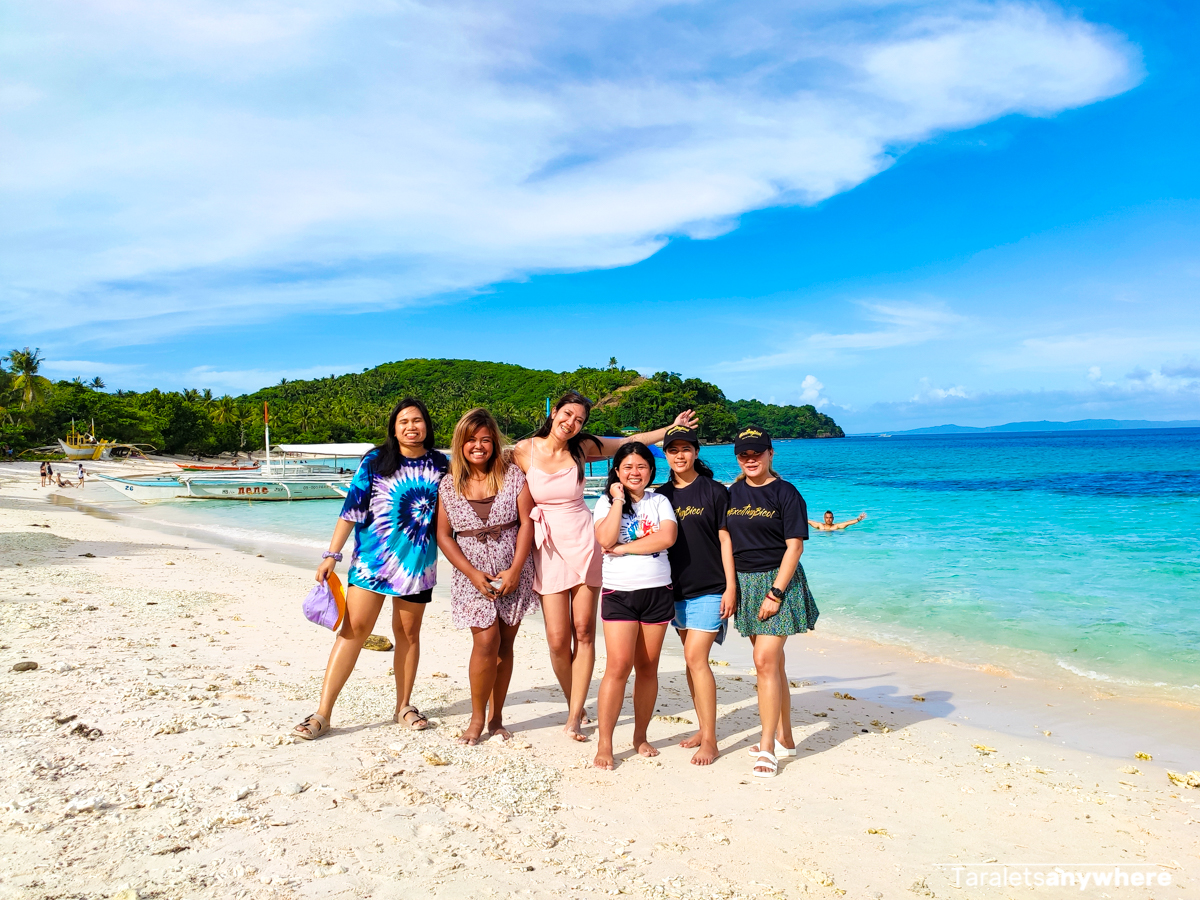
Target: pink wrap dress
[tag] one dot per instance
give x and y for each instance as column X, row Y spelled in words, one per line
column 565, row 550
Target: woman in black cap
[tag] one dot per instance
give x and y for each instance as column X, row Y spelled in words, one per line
column 702, row 574
column 768, row 523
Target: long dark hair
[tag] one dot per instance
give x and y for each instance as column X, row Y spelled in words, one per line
column 623, row 451
column 387, row 454
column 575, row 444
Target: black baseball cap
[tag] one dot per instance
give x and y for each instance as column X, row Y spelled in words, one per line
column 752, row 438
column 679, row 433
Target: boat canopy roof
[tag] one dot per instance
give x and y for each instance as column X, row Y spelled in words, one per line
column 326, row 449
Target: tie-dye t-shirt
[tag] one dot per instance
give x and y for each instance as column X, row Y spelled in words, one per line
column 635, row 572
column 395, row 524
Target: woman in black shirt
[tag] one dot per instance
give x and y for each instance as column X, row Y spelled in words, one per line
column 768, row 523
column 702, row 574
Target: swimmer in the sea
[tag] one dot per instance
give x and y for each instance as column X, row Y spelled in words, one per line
column 829, row 525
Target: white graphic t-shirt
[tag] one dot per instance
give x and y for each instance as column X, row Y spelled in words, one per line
column 634, row 572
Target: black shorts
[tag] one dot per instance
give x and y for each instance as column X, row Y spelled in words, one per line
column 650, row 606
column 422, row 597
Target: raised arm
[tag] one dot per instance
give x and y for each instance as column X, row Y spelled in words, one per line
column 610, row 445
column 840, row 525
column 608, row 529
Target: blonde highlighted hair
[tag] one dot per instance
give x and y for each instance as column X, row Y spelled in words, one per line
column 460, row 470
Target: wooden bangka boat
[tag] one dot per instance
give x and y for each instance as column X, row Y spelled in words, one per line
column 201, row 467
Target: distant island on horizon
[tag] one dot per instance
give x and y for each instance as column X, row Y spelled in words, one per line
column 1077, row 425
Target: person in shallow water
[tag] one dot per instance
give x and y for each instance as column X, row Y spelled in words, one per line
column 566, row 557
column 391, row 507
column 827, row 523
column 635, row 528
column 485, row 532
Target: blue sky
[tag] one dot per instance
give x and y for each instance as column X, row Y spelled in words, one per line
column 907, row 213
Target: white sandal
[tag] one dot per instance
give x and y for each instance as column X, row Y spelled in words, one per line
column 765, row 758
column 780, row 750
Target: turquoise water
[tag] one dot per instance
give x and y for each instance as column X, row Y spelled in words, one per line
column 1080, row 551
column 1067, row 552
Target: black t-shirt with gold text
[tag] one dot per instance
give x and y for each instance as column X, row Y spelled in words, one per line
column 761, row 519
column 696, row 567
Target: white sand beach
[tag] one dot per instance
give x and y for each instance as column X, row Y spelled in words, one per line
column 149, row 755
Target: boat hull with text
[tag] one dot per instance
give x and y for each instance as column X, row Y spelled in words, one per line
column 289, row 487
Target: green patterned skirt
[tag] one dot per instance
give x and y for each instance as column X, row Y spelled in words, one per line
column 797, row 613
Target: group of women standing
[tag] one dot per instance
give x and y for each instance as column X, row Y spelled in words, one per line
column 515, row 527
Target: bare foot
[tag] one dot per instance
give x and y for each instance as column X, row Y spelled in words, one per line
column 574, row 730
column 645, row 748
column 470, row 735
column 603, row 761
column 575, row 734
column 689, row 743
column 705, row 755
column 505, row 734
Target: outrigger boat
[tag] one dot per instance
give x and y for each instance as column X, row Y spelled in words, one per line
column 252, row 466
column 84, row 446
column 298, row 472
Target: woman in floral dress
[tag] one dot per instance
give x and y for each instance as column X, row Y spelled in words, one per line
column 485, row 531
column 391, row 508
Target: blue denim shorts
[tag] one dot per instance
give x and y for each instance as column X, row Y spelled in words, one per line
column 701, row 613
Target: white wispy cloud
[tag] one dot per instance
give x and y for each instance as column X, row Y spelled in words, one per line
column 174, row 165
column 900, row 324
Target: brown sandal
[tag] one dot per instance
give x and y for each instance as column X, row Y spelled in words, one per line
column 420, row 723
column 312, row 727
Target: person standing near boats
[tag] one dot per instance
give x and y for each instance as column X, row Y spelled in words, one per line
column 703, row 576
column 485, row 532
column 635, row 528
column 768, row 525
column 391, row 508
column 566, row 557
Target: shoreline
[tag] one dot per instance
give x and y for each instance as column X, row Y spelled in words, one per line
column 194, row 661
column 1088, row 715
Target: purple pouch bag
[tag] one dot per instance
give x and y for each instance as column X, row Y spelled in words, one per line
column 325, row 604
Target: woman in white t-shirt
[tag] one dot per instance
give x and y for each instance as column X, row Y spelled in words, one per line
column 637, row 602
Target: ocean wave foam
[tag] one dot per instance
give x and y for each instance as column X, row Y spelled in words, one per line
column 1093, row 675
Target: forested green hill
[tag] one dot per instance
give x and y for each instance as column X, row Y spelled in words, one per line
column 355, row 407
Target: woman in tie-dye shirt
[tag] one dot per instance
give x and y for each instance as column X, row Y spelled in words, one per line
column 391, row 508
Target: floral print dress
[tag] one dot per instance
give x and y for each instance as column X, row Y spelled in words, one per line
column 395, row 524
column 491, row 550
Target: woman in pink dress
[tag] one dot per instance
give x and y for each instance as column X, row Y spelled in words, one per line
column 566, row 556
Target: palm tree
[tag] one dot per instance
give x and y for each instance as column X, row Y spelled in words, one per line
column 96, row 384
column 224, row 411
column 24, row 365
column 304, row 417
